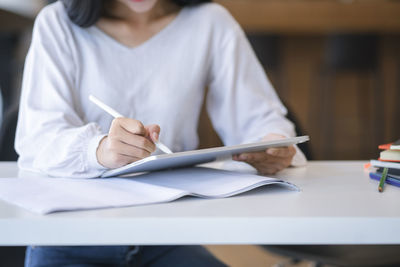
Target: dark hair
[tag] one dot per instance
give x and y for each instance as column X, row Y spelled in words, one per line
column 86, row 13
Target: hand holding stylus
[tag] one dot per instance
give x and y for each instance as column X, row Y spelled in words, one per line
column 128, row 140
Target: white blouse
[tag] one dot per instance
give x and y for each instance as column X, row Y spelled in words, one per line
column 161, row 81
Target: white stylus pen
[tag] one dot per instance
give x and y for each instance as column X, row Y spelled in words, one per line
column 115, row 114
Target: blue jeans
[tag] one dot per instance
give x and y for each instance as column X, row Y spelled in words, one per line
column 91, row 256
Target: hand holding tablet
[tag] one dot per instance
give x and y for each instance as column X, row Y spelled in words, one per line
column 271, row 160
column 194, row 157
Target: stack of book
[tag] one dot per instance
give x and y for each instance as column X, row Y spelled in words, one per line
column 387, row 166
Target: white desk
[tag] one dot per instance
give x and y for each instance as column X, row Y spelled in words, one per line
column 338, row 204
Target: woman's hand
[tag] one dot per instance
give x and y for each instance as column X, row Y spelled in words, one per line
column 127, row 141
column 271, row 160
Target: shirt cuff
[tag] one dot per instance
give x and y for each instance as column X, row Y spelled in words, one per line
column 91, row 153
column 299, row 158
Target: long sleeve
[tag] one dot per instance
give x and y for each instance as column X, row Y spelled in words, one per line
column 52, row 136
column 242, row 103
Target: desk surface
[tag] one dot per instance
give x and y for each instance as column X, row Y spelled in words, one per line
column 338, row 204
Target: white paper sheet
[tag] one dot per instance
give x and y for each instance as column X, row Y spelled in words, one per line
column 46, row 195
column 208, row 182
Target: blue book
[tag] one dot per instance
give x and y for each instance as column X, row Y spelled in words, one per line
column 395, row 173
column 389, row 180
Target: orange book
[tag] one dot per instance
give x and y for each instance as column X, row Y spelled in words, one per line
column 392, row 146
column 385, row 146
column 387, row 160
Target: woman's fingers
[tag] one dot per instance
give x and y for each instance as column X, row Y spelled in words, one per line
column 109, row 154
column 270, row 161
column 122, row 148
column 128, row 140
column 268, row 168
column 119, row 131
column 130, row 125
column 153, row 131
column 253, row 157
column 281, row 152
column 133, row 140
column 118, row 160
column 259, row 157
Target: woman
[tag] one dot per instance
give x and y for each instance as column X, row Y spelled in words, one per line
column 150, row 60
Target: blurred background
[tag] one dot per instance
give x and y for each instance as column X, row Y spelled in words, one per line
column 335, row 65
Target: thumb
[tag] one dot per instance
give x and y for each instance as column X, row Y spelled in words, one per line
column 153, row 132
column 273, row 136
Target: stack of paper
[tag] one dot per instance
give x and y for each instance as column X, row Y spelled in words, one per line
column 45, row 195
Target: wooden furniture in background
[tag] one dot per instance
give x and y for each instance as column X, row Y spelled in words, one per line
column 316, row 16
column 357, row 56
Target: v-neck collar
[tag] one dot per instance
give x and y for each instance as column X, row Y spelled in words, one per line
column 153, row 38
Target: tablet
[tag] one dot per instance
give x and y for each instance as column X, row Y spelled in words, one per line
column 194, row 157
